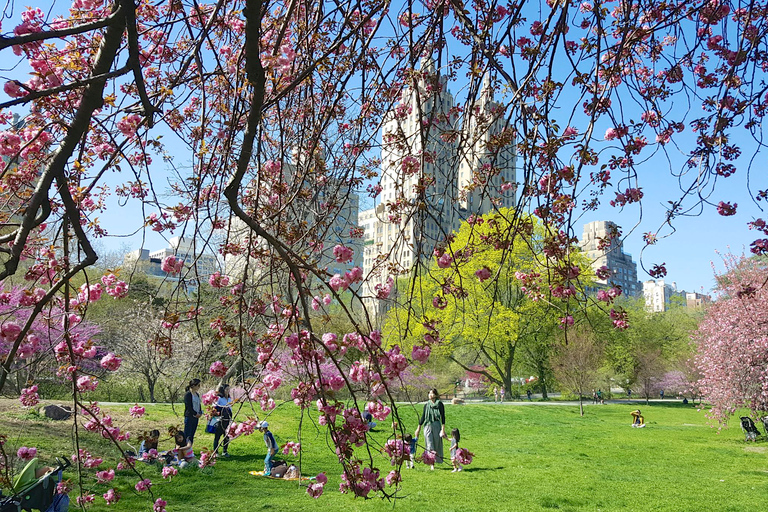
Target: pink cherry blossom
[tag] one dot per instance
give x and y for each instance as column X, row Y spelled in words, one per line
column 111, row 497
column 218, row 369
column 136, row 411
column 26, row 454
column 143, row 485
column 111, row 362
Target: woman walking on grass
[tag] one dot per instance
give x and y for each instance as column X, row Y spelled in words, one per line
column 433, row 420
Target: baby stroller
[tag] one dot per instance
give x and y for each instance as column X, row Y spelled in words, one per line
column 749, row 428
column 36, row 493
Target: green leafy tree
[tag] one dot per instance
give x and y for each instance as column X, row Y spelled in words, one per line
column 478, row 296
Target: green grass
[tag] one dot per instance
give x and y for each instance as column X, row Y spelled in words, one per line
column 527, row 458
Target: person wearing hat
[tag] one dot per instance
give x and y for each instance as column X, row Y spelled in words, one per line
column 269, row 441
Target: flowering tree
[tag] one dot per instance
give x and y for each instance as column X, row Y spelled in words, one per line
column 733, row 341
column 276, row 108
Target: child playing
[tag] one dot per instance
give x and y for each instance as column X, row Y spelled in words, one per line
column 455, row 437
column 412, row 448
column 184, row 452
column 269, row 441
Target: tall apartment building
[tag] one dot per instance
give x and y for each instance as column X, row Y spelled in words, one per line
column 439, row 169
column 603, row 248
column 658, row 294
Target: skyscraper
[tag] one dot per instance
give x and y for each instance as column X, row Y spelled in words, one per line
column 603, row 247
column 438, row 168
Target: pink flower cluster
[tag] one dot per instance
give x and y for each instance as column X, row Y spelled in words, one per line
column 143, row 485
column 361, row 483
column 340, row 283
column 726, row 209
column 169, row 472
column 26, row 454
column 136, row 411
column 105, row 476
column 603, row 272
column 292, row 448
column 159, row 505
column 172, row 265
column 393, row 478
column 111, row 497
column 397, row 450
column 86, row 459
column 316, row 490
column 609, row 295
column 114, row 286
column 464, row 456
column 620, row 319
column 343, row 254
column 29, row 396
column 111, row 362
column 384, row 290
column 87, row 383
column 631, row 195
column 420, row 353
column 483, row 274
column 217, row 280
column 218, row 369
column 209, row 398
column 378, row 410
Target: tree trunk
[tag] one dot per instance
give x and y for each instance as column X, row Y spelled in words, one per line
column 581, row 405
column 543, row 382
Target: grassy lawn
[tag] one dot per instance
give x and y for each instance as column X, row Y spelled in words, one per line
column 527, row 458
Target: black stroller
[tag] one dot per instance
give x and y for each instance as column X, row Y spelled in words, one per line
column 749, row 428
column 36, row 493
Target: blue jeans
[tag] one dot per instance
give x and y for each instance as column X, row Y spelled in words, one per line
column 268, row 463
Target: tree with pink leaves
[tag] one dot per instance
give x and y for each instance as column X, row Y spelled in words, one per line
column 732, row 341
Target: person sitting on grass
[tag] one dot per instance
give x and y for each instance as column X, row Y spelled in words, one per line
column 638, row 421
column 269, row 441
column 147, row 444
column 184, row 452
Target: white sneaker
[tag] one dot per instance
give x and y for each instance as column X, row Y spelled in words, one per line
column 454, row 470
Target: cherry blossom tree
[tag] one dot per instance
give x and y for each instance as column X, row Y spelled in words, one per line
column 276, row 109
column 733, row 341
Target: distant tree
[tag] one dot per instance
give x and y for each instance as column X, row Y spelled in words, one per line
column 576, row 363
column 152, row 347
column 655, row 343
column 732, row 341
column 650, row 367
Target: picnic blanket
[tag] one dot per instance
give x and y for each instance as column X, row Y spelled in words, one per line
column 261, row 473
